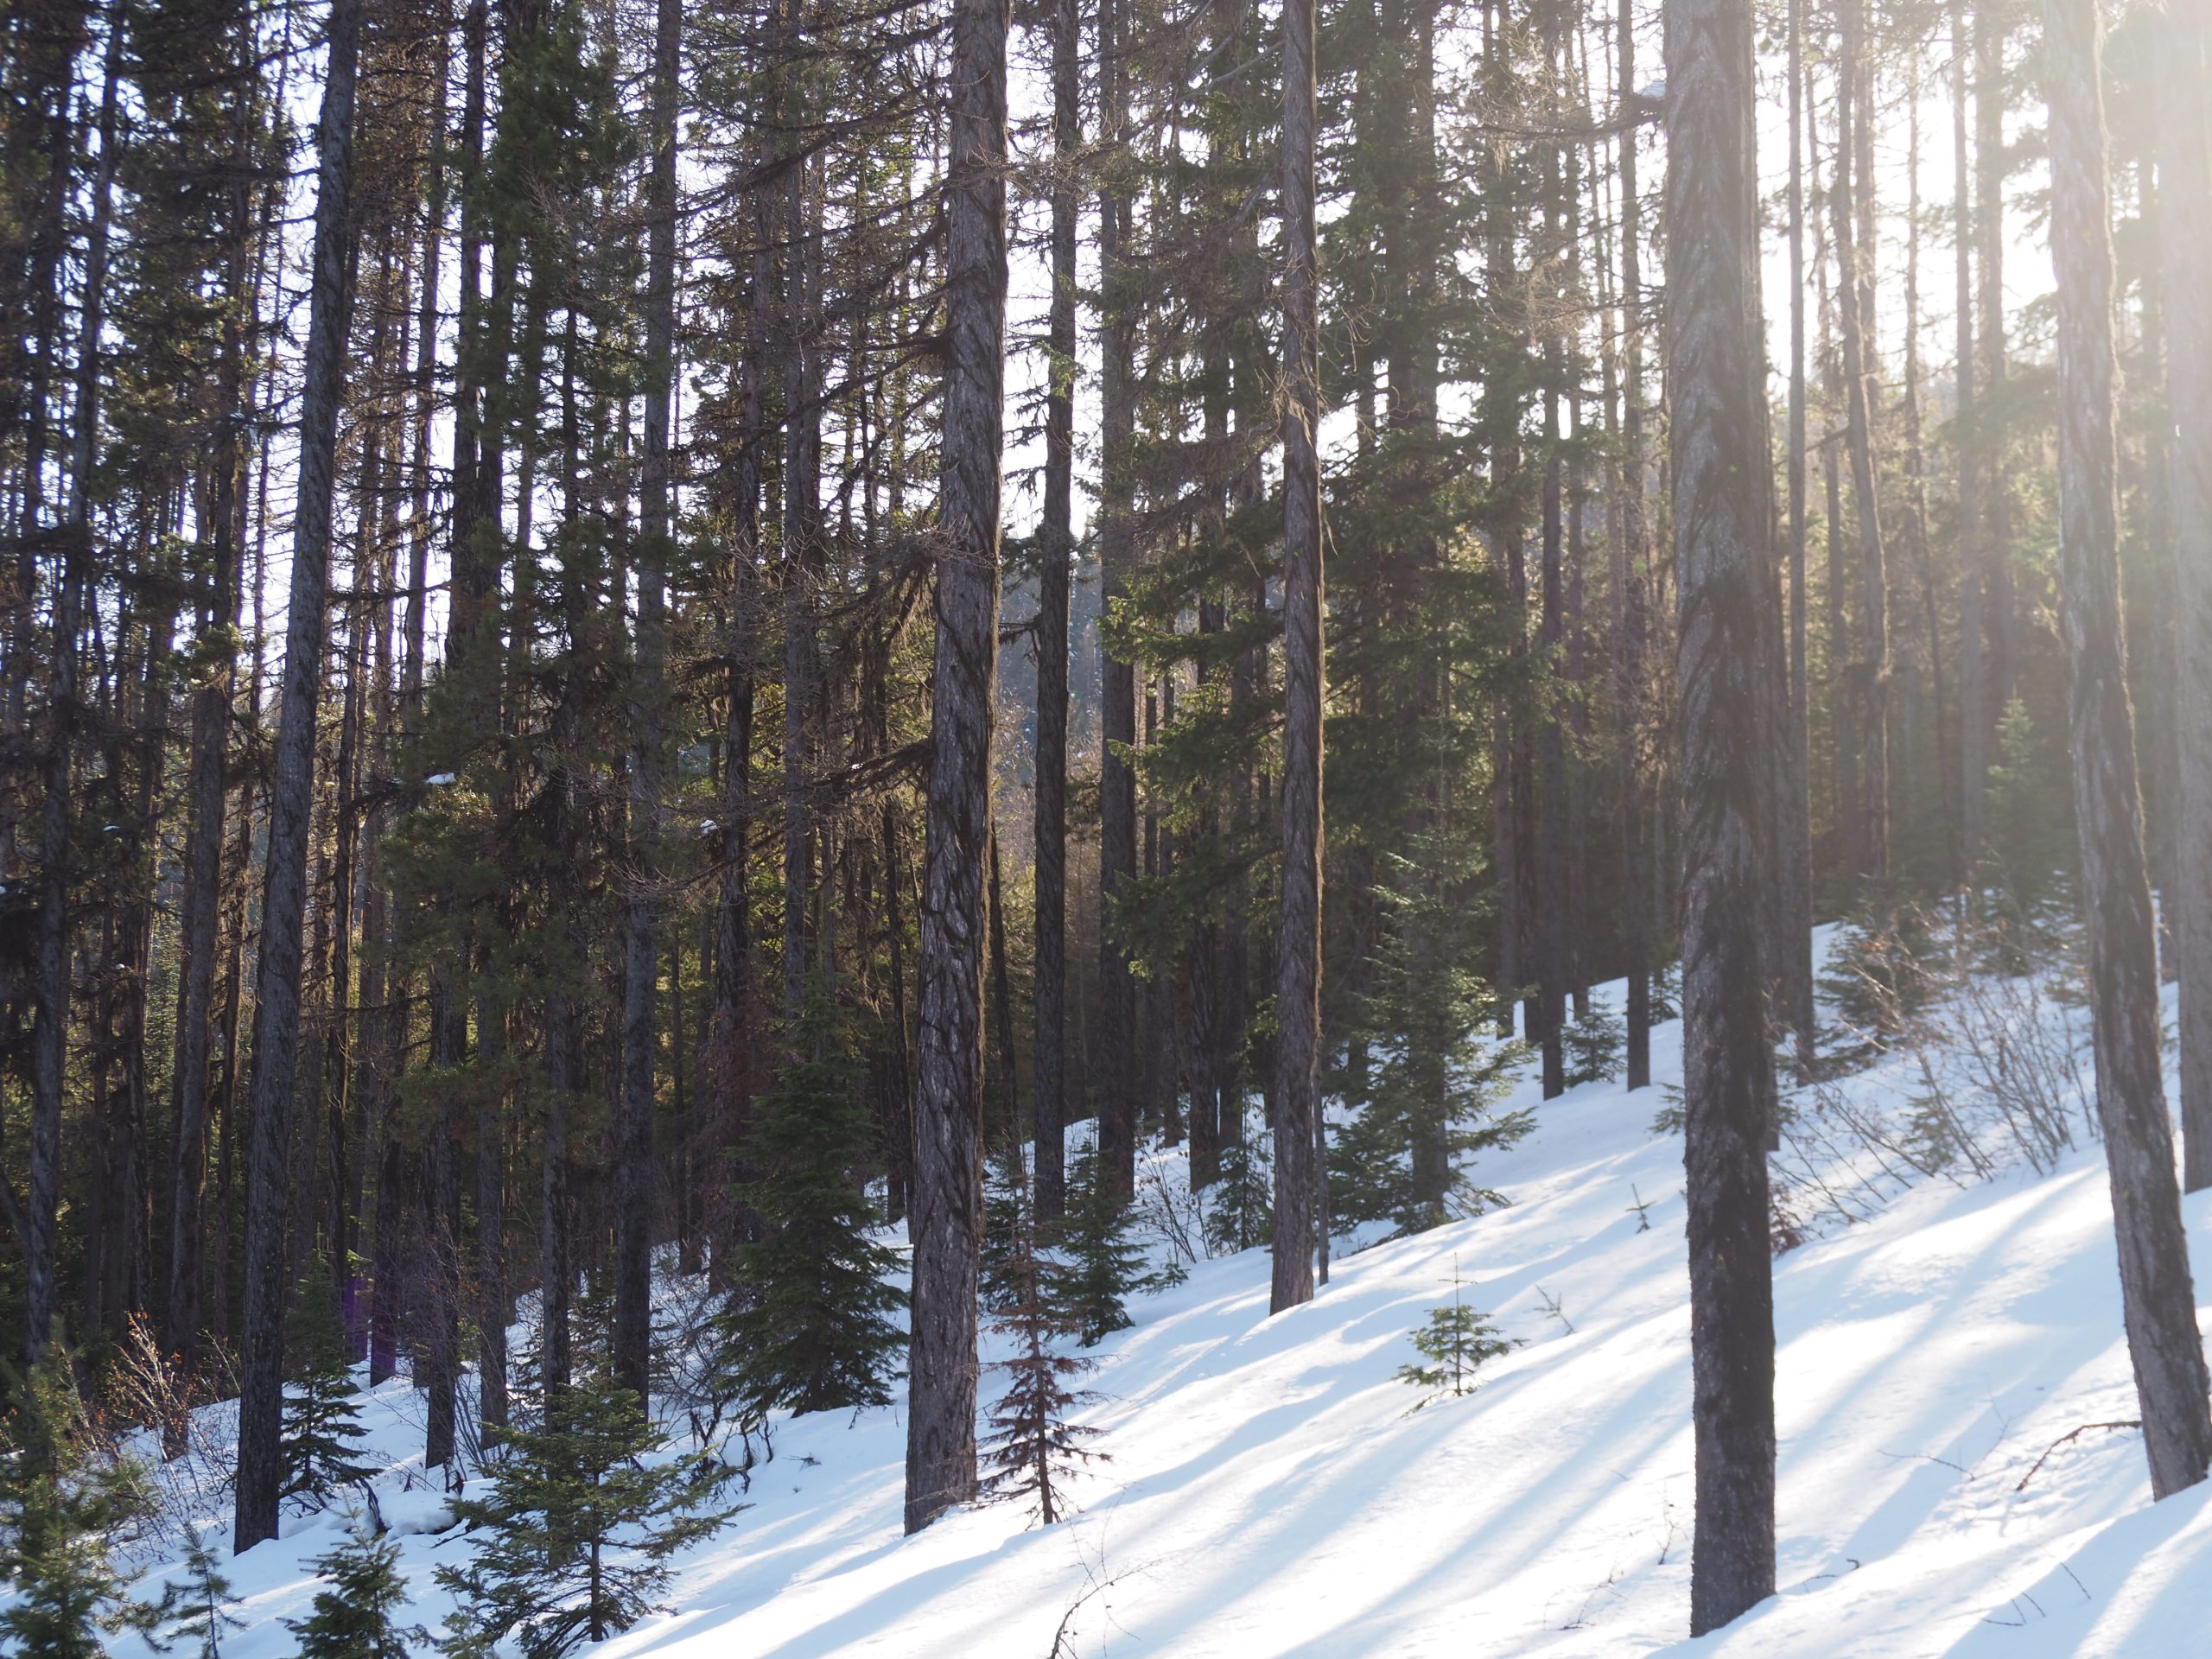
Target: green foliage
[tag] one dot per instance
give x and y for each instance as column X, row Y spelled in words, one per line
column 1880, row 977
column 809, row 1327
column 1031, row 1446
column 1240, row 1203
column 1457, row 1341
column 1105, row 1262
column 580, row 1516
column 1427, row 1100
column 321, row 1447
column 2030, row 837
column 198, row 1610
column 61, row 1503
column 355, row 1616
column 1593, row 1046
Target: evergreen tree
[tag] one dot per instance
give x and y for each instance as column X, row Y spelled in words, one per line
column 1240, row 1203
column 809, row 1327
column 1593, row 1039
column 1031, row 1447
column 1105, row 1260
column 198, row 1610
column 355, row 1615
column 60, row 1504
column 580, row 1516
column 323, row 1418
column 1457, row 1341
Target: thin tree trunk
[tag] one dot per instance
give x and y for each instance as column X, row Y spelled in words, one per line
column 948, row 1131
column 1298, row 963
column 1636, row 883
column 1722, row 529
column 634, row 1125
column 276, row 977
column 1794, row 819
column 2158, row 1301
column 2185, row 249
column 1974, row 697
column 1048, row 1061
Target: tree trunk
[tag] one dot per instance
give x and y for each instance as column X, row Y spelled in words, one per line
column 1794, row 820
column 2185, row 251
column 1716, row 440
column 1048, row 1061
column 633, row 1152
column 1634, row 564
column 277, row 974
column 1974, row 697
column 1297, row 962
column 1117, row 810
column 948, row 1130
column 2156, row 1295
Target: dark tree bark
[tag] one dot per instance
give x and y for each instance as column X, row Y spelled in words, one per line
column 1298, row 960
column 1633, row 569
column 948, row 1129
column 276, row 977
column 1868, row 674
column 2186, row 252
column 1049, row 1060
column 1794, row 850
column 1118, row 788
column 634, row 1154
column 50, row 1019
column 2155, row 1294
column 1716, row 440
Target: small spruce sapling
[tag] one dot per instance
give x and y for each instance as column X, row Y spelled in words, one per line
column 578, row 1521
column 1593, row 1042
column 1456, row 1341
column 322, row 1431
column 355, row 1616
column 1105, row 1263
column 1031, row 1447
column 61, row 1502
column 1240, row 1202
column 809, row 1326
column 198, row 1610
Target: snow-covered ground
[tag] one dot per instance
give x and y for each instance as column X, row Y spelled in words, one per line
column 1269, row 1492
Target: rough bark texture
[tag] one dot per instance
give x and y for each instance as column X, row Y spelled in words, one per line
column 633, row 1139
column 1298, row 959
column 1794, row 820
column 1635, row 568
column 1117, row 788
column 1716, row 371
column 2155, row 1294
column 2185, row 251
column 276, row 977
column 1050, row 1062
column 947, row 1223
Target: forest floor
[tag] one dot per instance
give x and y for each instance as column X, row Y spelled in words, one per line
column 1269, row 1492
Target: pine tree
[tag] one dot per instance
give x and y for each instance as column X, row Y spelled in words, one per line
column 809, row 1326
column 1457, row 1341
column 580, row 1517
column 323, row 1421
column 355, row 1617
column 1240, row 1203
column 198, row 1610
column 61, row 1502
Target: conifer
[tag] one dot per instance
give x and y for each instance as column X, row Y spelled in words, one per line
column 1031, row 1447
column 198, row 1610
column 1457, row 1341
column 809, row 1327
column 321, row 1447
column 355, row 1615
column 1105, row 1262
column 61, row 1503
column 581, row 1514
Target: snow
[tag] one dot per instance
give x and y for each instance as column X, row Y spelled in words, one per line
column 1269, row 1492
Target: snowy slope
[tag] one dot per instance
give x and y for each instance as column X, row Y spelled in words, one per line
column 1269, row 1493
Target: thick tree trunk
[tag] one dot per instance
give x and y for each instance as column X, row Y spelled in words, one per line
column 1298, row 960
column 276, row 977
column 2158, row 1301
column 1716, row 438
column 2185, row 251
column 948, row 1130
